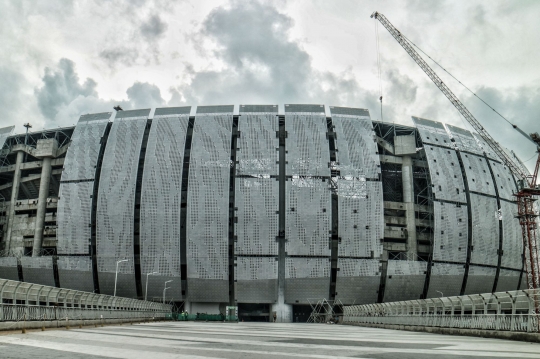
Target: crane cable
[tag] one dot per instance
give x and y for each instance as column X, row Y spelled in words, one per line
column 378, row 63
column 461, row 83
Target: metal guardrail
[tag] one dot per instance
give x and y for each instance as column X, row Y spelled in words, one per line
column 505, row 311
column 26, row 301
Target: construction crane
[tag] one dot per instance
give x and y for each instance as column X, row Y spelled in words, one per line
column 528, row 188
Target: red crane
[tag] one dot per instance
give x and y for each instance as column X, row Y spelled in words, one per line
column 527, row 183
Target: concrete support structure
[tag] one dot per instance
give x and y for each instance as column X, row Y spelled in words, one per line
column 46, row 149
column 408, row 199
column 42, row 206
column 14, row 195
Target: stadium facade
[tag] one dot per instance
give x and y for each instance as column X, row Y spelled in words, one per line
column 258, row 208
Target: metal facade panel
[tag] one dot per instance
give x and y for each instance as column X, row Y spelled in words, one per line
column 168, row 111
column 223, row 109
column 257, row 203
column 38, row 270
column 432, row 132
column 5, row 132
column 445, row 174
column 306, row 267
column 161, row 198
column 76, row 273
column 306, row 278
column 8, row 268
column 359, row 112
column 318, row 109
column 464, row 140
column 485, row 230
column 361, row 218
column 358, row 280
column 505, row 181
column 308, row 213
column 208, row 204
column 446, row 278
column 82, row 155
column 74, row 205
column 116, row 204
column 487, row 150
column 508, row 280
column 450, row 232
column 357, row 150
column 256, row 147
column 512, row 237
column 74, row 217
column 208, row 290
column 404, row 280
column 307, row 144
column 480, row 280
column 478, row 174
column 256, row 279
column 258, row 108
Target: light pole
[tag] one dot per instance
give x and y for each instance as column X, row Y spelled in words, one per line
column 438, row 291
column 165, row 289
column 116, row 276
column 146, row 291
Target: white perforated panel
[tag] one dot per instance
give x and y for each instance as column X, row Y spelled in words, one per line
column 257, row 145
column 301, row 267
column 485, row 230
column 161, row 196
column 445, row 174
column 256, row 268
column 361, row 221
column 116, row 201
column 512, row 237
column 356, row 147
column 464, row 140
column 450, row 232
column 307, row 145
column 74, row 217
column 351, row 267
column 75, row 198
column 446, row 279
column 256, row 200
column 308, row 211
column 208, row 197
column 432, row 132
column 487, row 150
column 478, row 174
column 505, row 181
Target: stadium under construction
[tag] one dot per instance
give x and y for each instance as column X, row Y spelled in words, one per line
column 263, row 207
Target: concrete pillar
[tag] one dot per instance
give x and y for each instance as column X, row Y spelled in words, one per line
column 408, row 199
column 14, row 195
column 42, row 205
column 46, row 150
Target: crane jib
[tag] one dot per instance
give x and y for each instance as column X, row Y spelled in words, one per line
column 509, row 162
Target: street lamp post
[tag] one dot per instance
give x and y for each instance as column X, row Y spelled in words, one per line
column 116, row 276
column 165, row 289
column 146, row 291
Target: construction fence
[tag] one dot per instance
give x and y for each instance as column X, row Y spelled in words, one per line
column 503, row 311
column 21, row 301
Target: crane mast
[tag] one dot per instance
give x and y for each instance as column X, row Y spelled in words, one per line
column 528, row 189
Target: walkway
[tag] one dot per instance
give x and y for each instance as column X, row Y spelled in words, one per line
column 166, row 340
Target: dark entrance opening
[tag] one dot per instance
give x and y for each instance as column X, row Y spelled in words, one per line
column 301, row 313
column 253, row 312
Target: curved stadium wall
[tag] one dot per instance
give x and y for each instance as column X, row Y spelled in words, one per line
column 257, row 206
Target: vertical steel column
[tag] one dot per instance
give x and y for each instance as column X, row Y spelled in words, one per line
column 42, row 205
column 334, row 239
column 137, row 213
column 232, row 214
column 93, row 215
column 14, row 195
column 408, row 199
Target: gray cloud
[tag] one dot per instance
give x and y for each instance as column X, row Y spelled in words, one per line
column 144, row 95
column 153, row 28
column 261, row 64
column 10, row 95
column 60, row 87
column 123, row 55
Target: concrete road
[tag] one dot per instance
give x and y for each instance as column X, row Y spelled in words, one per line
column 252, row 340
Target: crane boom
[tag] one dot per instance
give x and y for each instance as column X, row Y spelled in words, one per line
column 528, row 189
column 507, row 160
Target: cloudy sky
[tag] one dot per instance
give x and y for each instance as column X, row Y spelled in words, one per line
column 60, row 59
